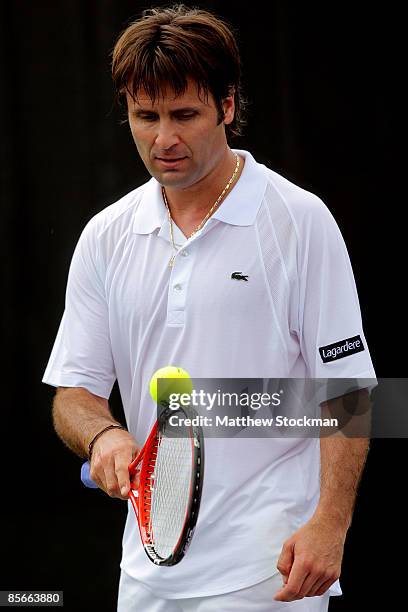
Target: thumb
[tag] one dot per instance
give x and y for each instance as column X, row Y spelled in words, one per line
column 285, row 561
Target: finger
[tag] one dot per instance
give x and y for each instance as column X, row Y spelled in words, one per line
column 285, row 561
column 97, row 473
column 321, row 590
column 111, row 480
column 308, row 586
column 122, row 475
column 316, row 586
column 294, row 584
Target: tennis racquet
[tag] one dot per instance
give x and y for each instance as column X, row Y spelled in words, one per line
column 166, row 496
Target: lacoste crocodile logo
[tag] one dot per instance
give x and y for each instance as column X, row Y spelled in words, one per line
column 239, row 276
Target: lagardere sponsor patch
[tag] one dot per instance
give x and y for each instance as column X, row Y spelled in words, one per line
column 341, row 349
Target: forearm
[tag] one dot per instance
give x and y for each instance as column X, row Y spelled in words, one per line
column 311, row 558
column 78, row 416
column 342, row 463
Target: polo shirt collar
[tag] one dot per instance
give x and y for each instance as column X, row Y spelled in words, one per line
column 151, row 212
column 240, row 206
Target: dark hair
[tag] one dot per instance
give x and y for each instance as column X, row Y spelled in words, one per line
column 167, row 46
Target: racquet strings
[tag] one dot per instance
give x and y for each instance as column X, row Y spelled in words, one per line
column 171, row 488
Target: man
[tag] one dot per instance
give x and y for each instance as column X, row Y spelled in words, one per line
column 223, row 267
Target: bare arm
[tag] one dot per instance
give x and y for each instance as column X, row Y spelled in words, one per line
column 311, row 559
column 342, row 462
column 78, row 416
column 342, row 458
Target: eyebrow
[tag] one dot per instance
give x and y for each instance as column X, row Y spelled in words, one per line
column 145, row 111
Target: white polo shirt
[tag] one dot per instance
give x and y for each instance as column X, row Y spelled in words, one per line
column 297, row 315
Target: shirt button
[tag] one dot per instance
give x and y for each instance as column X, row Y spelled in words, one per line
column 184, row 253
column 177, row 287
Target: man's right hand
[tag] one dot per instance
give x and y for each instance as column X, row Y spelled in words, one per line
column 111, row 455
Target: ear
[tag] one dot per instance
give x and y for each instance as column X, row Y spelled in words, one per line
column 228, row 105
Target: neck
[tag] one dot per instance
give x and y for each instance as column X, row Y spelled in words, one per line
column 188, row 206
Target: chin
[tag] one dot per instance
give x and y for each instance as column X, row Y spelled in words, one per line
column 173, row 179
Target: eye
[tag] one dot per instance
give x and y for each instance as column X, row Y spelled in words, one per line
column 148, row 117
column 186, row 116
column 145, row 116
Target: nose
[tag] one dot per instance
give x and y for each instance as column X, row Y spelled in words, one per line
column 166, row 137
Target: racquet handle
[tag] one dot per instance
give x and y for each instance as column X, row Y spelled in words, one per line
column 87, row 480
column 86, row 476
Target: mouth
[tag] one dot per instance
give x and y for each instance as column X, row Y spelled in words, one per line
column 170, row 162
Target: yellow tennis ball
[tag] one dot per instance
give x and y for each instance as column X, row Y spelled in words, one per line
column 176, row 380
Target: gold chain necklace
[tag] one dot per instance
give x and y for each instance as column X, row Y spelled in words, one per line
column 200, row 225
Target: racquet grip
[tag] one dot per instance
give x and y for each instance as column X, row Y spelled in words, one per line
column 86, row 476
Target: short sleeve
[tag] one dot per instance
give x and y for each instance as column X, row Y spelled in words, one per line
column 330, row 327
column 82, row 355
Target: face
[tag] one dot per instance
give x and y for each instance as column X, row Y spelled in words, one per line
column 178, row 138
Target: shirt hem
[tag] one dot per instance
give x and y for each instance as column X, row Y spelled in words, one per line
column 221, row 590
column 59, row 378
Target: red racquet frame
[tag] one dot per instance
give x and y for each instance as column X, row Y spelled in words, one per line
column 140, row 493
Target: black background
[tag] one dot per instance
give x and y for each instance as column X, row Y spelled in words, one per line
column 324, row 84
